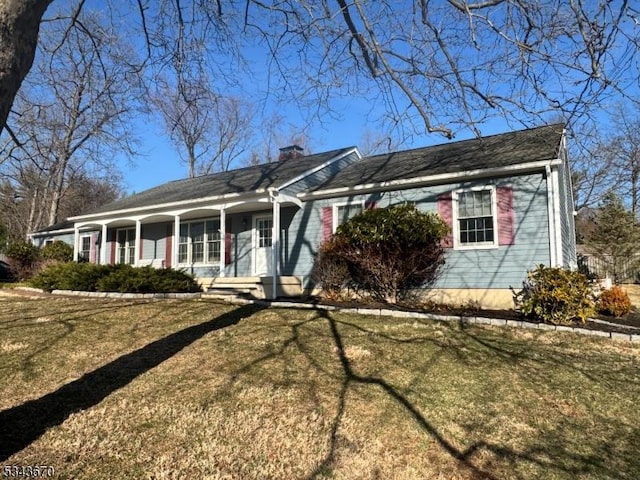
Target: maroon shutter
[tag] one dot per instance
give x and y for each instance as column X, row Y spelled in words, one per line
column 506, row 216
column 113, row 247
column 92, row 248
column 327, row 222
column 370, row 204
column 445, row 210
column 227, row 248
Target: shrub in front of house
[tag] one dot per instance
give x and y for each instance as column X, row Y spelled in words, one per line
column 130, row 279
column 331, row 271
column 58, row 251
column 23, row 259
column 388, row 252
column 88, row 277
column 614, row 301
column 556, row 295
column 70, row 276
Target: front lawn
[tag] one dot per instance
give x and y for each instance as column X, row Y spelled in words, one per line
column 103, row 389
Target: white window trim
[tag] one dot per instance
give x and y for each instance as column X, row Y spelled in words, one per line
column 126, row 247
column 206, row 244
column 81, row 239
column 335, row 206
column 456, row 226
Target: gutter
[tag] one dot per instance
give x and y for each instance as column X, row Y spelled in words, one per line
column 432, row 179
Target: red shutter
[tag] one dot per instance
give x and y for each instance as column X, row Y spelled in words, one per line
column 445, row 210
column 113, row 247
column 506, row 216
column 327, row 222
column 370, row 204
column 168, row 251
column 92, row 248
column 227, row 248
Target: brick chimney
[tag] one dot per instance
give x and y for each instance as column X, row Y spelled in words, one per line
column 291, row 152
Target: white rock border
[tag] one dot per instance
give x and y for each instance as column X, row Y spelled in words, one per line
column 380, row 312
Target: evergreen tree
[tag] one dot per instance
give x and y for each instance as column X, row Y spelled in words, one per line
column 615, row 239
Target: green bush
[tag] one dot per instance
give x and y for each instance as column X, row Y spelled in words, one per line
column 147, row 280
column 113, row 278
column 387, row 251
column 58, row 251
column 614, row 301
column 70, row 276
column 23, row 259
column 556, row 295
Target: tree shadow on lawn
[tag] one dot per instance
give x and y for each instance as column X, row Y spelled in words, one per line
column 551, row 452
column 24, row 424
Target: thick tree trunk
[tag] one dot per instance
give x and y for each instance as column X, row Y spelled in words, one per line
column 19, row 27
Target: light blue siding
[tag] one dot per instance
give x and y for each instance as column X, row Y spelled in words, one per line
column 567, row 221
column 500, row 267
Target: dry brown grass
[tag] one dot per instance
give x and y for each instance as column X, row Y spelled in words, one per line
column 192, row 389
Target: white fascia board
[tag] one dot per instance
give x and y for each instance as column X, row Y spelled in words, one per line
column 44, row 233
column 433, row 179
column 161, row 206
column 320, row 167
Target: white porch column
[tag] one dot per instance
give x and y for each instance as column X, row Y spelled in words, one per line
column 223, row 242
column 138, row 248
column 275, row 244
column 176, row 241
column 103, row 246
column 76, row 240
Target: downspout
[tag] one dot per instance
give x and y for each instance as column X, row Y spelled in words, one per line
column 553, row 260
column 555, row 183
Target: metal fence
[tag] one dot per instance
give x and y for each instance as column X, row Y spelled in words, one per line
column 626, row 270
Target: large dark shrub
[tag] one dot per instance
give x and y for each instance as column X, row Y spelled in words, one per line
column 147, row 280
column 556, row 295
column 23, row 259
column 70, row 276
column 58, row 251
column 387, row 251
column 113, row 278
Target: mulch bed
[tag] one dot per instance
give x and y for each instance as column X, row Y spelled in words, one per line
column 630, row 320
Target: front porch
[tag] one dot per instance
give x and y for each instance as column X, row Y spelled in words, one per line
column 231, row 247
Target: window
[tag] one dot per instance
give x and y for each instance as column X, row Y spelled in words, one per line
column 343, row 212
column 85, row 248
column 199, row 242
column 126, row 240
column 264, row 231
column 475, row 223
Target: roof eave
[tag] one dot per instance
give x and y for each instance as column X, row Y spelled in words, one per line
column 442, row 178
column 170, row 205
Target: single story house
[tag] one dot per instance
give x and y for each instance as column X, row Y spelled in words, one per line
column 507, row 198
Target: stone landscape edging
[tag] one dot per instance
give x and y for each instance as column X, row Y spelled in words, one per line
column 380, row 312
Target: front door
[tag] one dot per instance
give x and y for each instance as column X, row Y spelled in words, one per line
column 262, row 241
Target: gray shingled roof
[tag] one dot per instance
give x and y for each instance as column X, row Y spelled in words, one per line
column 494, row 151
column 241, row 180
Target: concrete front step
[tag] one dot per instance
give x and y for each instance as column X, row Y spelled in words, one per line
column 257, row 287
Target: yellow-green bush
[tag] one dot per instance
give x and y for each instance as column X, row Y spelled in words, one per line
column 614, row 301
column 556, row 295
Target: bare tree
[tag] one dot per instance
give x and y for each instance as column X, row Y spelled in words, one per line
column 437, row 66
column 209, row 131
column 71, row 116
